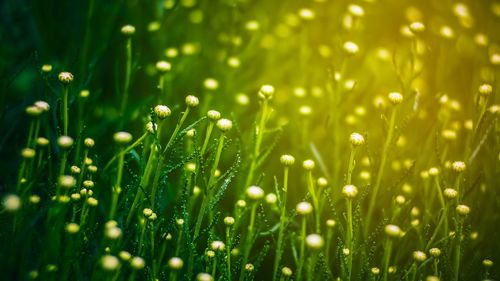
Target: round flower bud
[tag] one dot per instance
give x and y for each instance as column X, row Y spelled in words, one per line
column 76, row 197
column 162, row 111
column 419, row 256
column 356, row 10
column 180, row 222
column 224, row 124
column 213, row 115
column 175, row 263
column 350, row 191
column 89, row 143
column 33, row 111
column 92, row 169
column 88, row 184
column 72, row 228
column 109, row 263
column 350, row 48
column 11, row 203
column 122, row 137
column 147, row 212
column 75, row 170
column 137, row 263
column 432, row 278
column 308, row 164
column 487, row 263
column 254, row 192
column 28, row 153
column 67, row 182
column 92, row 201
column 417, row 27
column 34, row 199
column 287, row 160
column 204, row 277
column 286, row 271
column 46, row 68
column 357, row 139
column 65, row 142
column 84, row 93
column 463, row 210
column 458, row 166
column 191, row 133
column 153, row 217
column 249, row 267
column 314, row 241
column 322, row 182
column 163, row 66
column 217, row 246
column 128, row 30
column 42, row 105
column 433, row 171
column 331, row 223
column 241, row 203
column 210, row 254
column 393, row 231
column 485, row 90
column 124, row 255
column 65, row 77
column 304, row 208
column 192, row 101
column 151, row 127
column 42, row 142
column 271, row 198
column 113, row 233
column 211, row 84
column 228, row 221
column 434, row 252
column 266, row 92
column 375, row 270
column 450, row 193
column 395, row 98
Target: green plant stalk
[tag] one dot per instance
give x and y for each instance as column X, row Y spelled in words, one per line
column 207, row 138
column 329, row 237
column 258, row 142
column 310, row 186
column 128, row 72
column 30, row 134
column 153, row 256
column 248, row 240
column 302, row 249
column 283, row 224
column 310, row 267
column 349, row 238
column 439, row 191
column 116, row 190
column 456, row 259
column 143, row 183
column 177, row 128
column 352, row 165
column 141, row 238
column 214, row 266
column 435, row 267
column 129, row 148
column 228, row 252
column 208, row 192
column 21, row 176
column 65, row 110
column 380, row 173
column 62, row 167
column 386, row 258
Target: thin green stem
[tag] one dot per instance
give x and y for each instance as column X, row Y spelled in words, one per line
column 302, row 249
column 385, row 152
column 258, row 141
